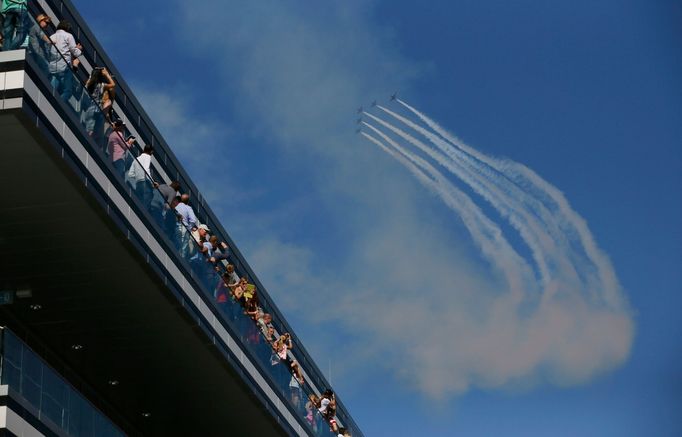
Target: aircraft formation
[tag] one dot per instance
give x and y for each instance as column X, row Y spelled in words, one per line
column 392, row 98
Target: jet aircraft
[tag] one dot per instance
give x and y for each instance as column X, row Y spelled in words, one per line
column 394, row 96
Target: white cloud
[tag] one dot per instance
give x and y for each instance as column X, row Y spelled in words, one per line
column 400, row 282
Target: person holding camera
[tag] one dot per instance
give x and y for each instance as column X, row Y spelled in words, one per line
column 100, row 87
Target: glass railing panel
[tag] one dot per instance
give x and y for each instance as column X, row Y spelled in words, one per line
column 95, row 121
column 31, row 377
column 11, row 363
column 52, row 397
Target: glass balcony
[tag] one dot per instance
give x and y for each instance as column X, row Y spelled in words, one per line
column 241, row 312
column 53, row 400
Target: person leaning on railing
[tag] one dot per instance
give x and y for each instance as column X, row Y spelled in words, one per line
column 14, row 23
column 186, row 221
column 118, row 147
column 64, row 52
column 295, row 384
column 38, row 43
column 139, row 176
column 166, row 199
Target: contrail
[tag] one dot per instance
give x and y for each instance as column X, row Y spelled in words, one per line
column 486, row 233
column 564, row 215
column 527, row 227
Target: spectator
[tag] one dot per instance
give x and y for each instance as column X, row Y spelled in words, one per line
column 238, row 291
column 209, row 265
column 265, row 323
column 65, row 50
column 220, row 252
column 169, row 195
column 14, row 23
column 252, row 332
column 270, row 336
column 249, row 292
column 334, row 426
column 282, row 345
column 186, row 222
column 140, row 176
column 327, row 406
column 39, row 43
column 252, row 310
column 166, row 199
column 198, row 244
column 118, row 147
column 232, row 277
column 310, row 407
column 221, row 291
column 100, row 87
column 237, row 296
column 295, row 384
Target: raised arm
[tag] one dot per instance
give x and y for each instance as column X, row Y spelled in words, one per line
column 110, row 84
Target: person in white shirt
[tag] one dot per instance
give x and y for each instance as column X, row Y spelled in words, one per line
column 64, row 51
column 187, row 221
column 140, row 176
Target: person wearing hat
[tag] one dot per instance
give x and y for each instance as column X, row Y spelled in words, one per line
column 199, row 235
column 39, row 44
column 14, row 23
column 118, row 147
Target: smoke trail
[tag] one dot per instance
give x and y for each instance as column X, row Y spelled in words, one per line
column 564, row 214
column 531, row 232
column 540, row 220
column 485, row 233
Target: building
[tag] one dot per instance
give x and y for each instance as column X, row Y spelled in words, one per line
column 110, row 326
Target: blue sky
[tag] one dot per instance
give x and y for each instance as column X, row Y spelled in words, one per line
column 373, row 270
